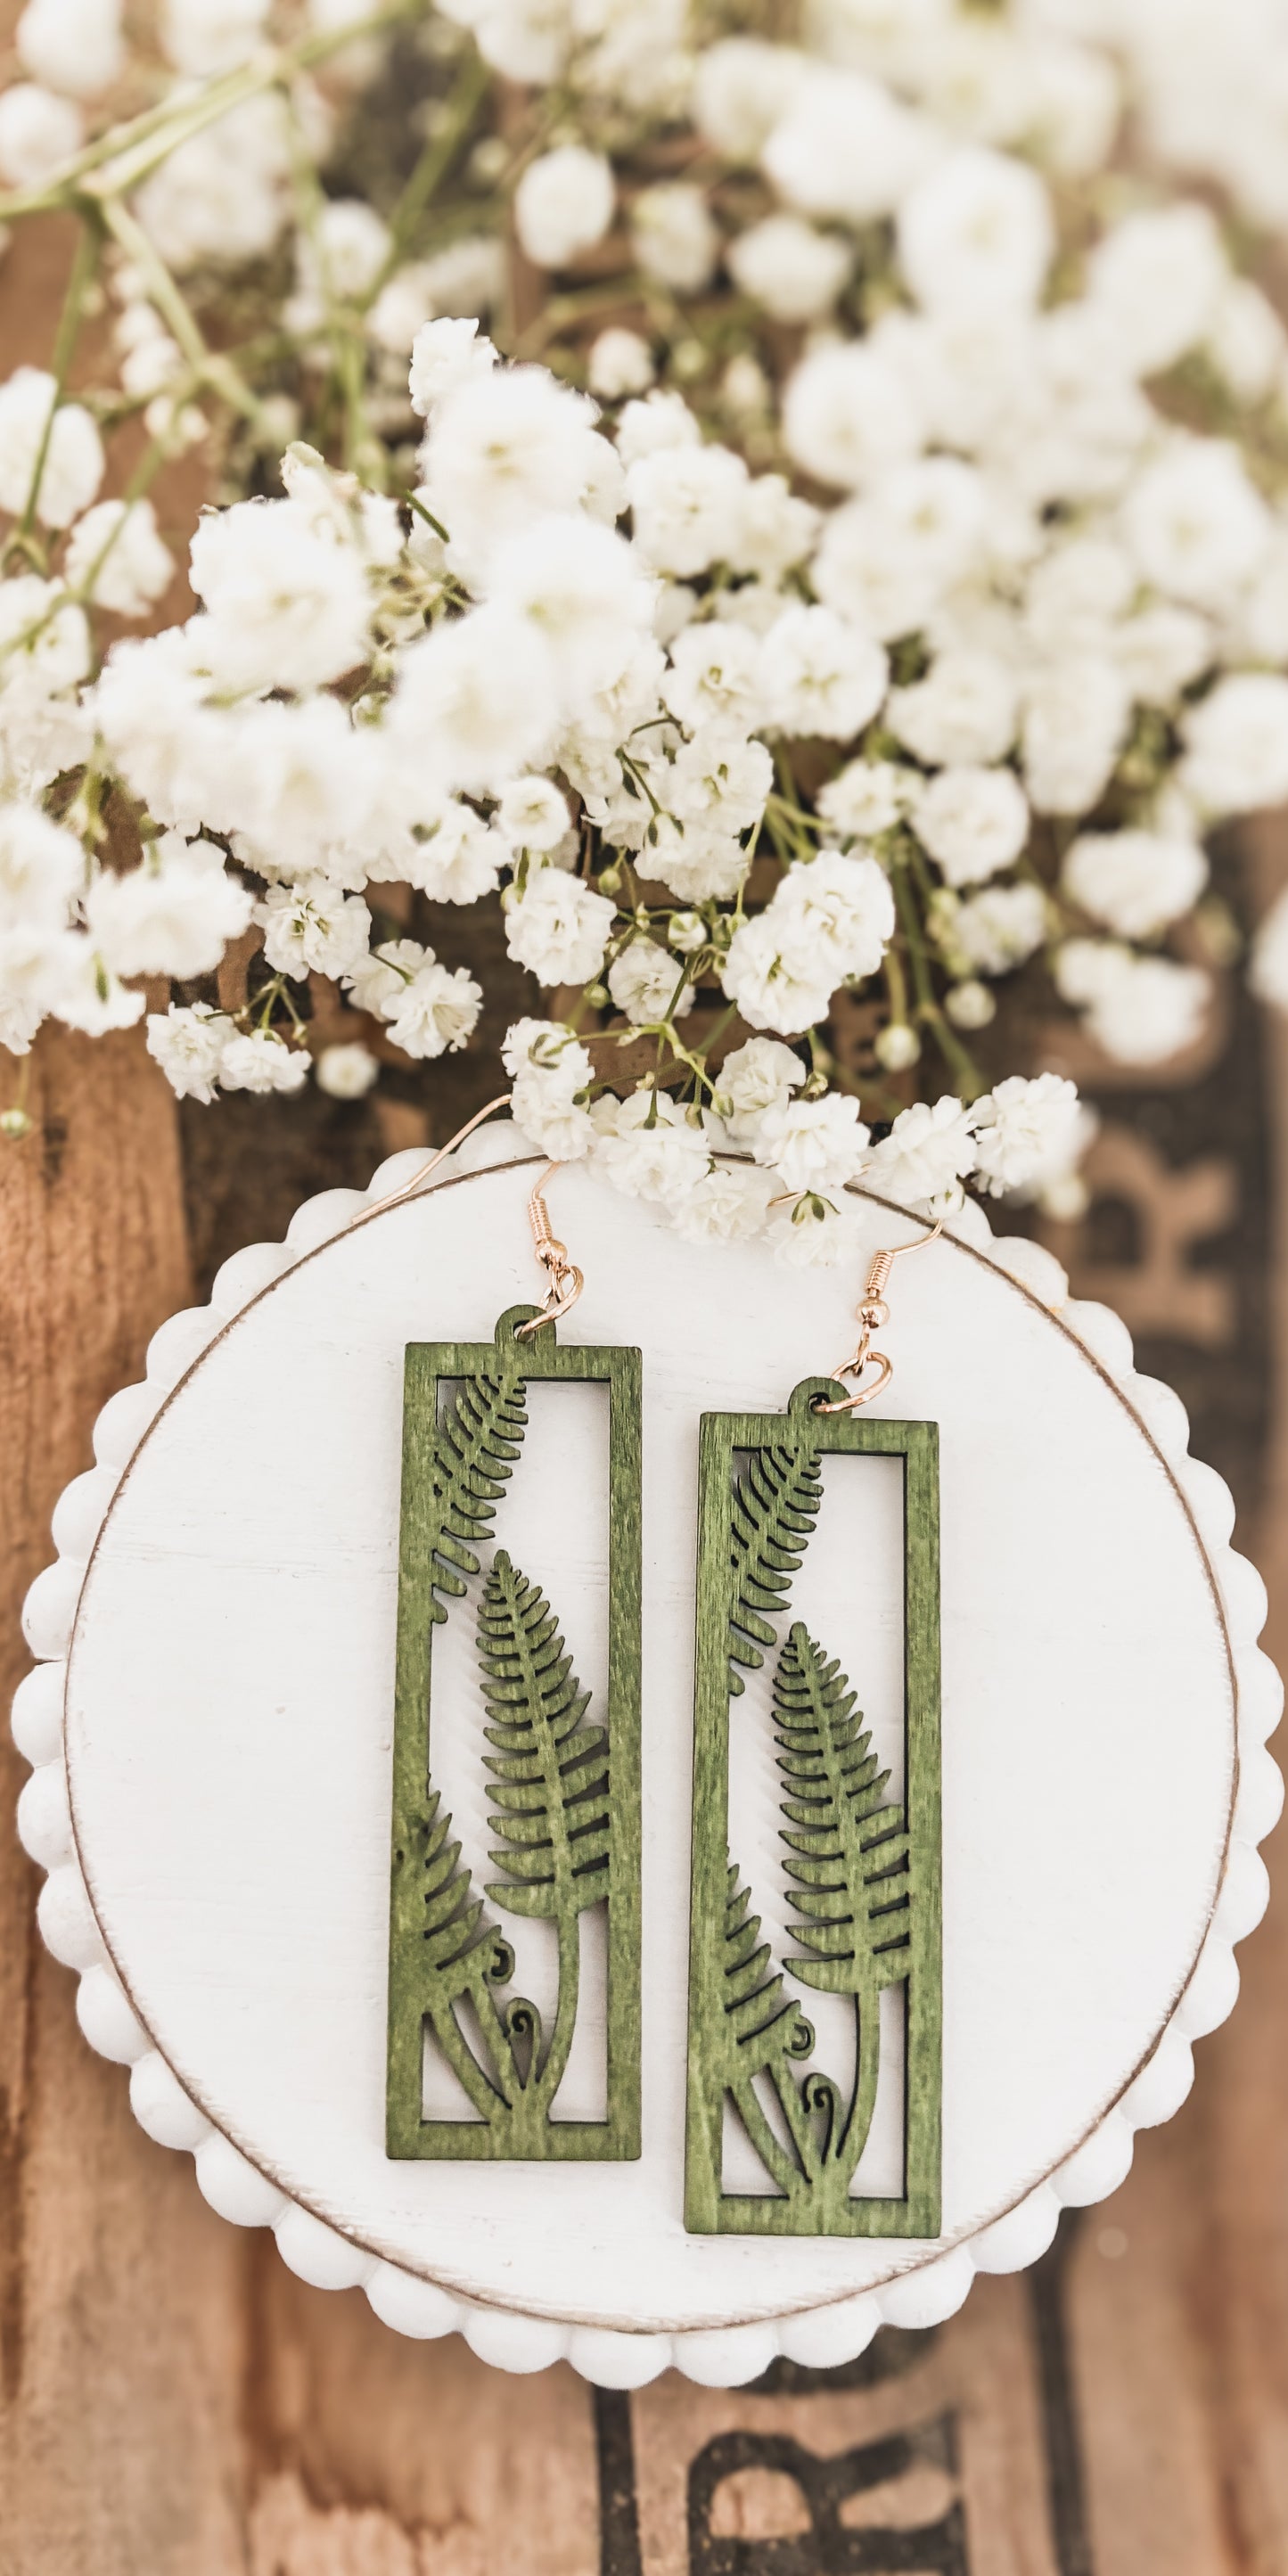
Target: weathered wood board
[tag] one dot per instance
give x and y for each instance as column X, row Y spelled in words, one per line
column 174, row 2403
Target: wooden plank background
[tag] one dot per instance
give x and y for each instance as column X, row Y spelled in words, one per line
column 174, row 2403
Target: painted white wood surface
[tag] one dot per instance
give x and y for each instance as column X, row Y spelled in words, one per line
column 229, row 1724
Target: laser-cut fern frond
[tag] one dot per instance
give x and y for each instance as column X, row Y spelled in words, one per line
column 849, row 1847
column 477, row 1443
column 460, row 1946
column 760, row 2022
column 549, row 1789
column 776, row 1502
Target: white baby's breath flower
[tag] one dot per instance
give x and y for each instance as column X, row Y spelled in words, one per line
column 848, row 416
column 648, row 1150
column 837, row 908
column 661, row 420
column 816, row 1234
column 814, row 1145
column 38, row 962
column 740, row 88
column 578, row 586
column 174, row 915
column 976, row 233
column 645, row 985
column 1141, row 1010
column 973, row 822
column 995, row 930
column 1134, row 882
column 32, row 419
column 620, row 363
column 287, row 607
column 91, row 998
column 686, row 506
column 505, row 447
column 204, row 37
column 965, row 711
column 729, row 1205
column 792, row 271
column 73, row 46
column 262, row 1062
column 1237, row 744
column 1026, row 1132
column 559, row 928
column 446, row 354
column 674, row 236
column 761, row 974
column 312, row 927
column 926, row 1156
column 1075, row 722
column 866, row 798
column 551, row 1074
column 1195, row 523
column 189, row 1047
column 754, row 1078
column 436, row 1012
column 532, row 813
column 347, row 1071
column 563, row 204
column 459, row 860
column 42, row 868
column 775, row 529
column 341, row 260
column 1156, row 282
column 38, row 134
column 843, row 146
column 479, row 697
column 819, row 676
column 713, row 675
column 379, row 980
column 118, row 558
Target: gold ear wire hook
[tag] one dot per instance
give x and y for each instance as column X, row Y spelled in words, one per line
column 565, row 1279
column 872, row 1312
column 408, row 1189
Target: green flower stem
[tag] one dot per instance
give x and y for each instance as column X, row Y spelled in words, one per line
column 207, row 365
column 84, row 267
column 127, row 153
column 435, row 161
column 969, row 1081
column 896, row 985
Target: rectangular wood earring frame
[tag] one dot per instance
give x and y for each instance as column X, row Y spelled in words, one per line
column 709, row 2209
column 428, row 1366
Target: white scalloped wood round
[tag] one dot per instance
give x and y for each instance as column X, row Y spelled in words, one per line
column 216, row 1827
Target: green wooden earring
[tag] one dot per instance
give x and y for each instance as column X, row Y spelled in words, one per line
column 862, row 1874
column 564, row 1777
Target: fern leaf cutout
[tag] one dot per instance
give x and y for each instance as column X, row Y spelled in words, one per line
column 760, row 2021
column 849, row 1853
column 550, row 1772
column 775, row 1506
column 475, row 1449
column 461, row 1954
column 453, row 1931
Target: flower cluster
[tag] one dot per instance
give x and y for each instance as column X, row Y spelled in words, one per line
column 854, row 568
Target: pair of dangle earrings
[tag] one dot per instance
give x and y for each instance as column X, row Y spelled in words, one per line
column 475, row 2065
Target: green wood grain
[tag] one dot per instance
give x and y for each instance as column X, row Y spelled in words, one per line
column 444, row 1948
column 750, row 1465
